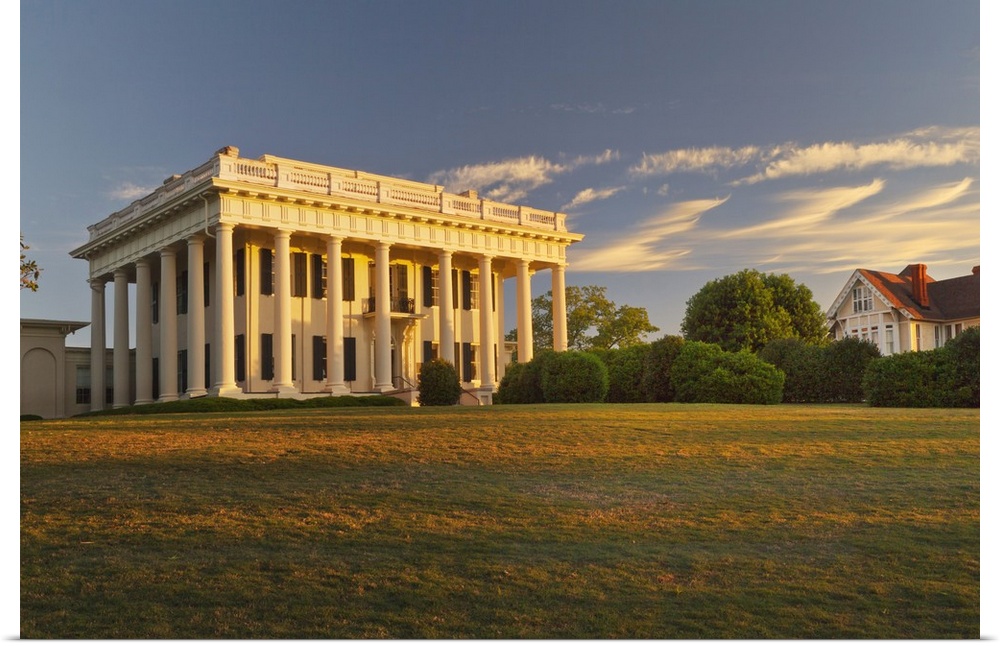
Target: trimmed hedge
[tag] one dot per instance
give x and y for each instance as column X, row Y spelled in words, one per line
column 574, row 378
column 231, row 405
column 438, row 384
column 946, row 377
column 705, row 373
column 814, row 374
column 626, row 368
column 657, row 384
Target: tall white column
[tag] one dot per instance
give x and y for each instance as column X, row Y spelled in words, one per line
column 383, row 320
column 487, row 331
column 196, row 317
column 168, row 325
column 283, row 312
column 446, row 312
column 97, row 344
column 223, row 353
column 335, row 318
column 120, row 353
column 559, row 333
column 143, row 332
column 525, row 337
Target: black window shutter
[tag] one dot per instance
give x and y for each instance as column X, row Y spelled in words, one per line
column 206, row 284
column 208, row 364
column 428, row 351
column 428, row 286
column 466, row 290
column 317, row 277
column 299, row 275
column 266, row 272
column 241, row 271
column 350, row 359
column 266, row 356
column 466, row 362
column 454, row 289
column 348, row 271
column 319, row 357
column 240, row 355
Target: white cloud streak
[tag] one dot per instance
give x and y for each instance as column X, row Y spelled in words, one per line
column 589, row 195
column 512, row 179
column 694, row 160
column 128, row 191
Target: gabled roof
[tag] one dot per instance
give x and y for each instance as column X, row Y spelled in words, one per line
column 953, row 298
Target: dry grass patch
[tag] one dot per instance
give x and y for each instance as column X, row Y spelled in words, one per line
column 531, row 521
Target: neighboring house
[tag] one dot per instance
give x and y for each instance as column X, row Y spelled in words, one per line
column 905, row 311
column 282, row 278
column 55, row 380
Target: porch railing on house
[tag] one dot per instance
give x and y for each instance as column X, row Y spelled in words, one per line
column 402, row 305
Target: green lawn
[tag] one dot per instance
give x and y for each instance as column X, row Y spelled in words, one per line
column 583, row 521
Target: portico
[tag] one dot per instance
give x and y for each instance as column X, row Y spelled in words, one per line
column 275, row 277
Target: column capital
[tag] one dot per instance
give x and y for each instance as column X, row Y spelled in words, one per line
column 224, row 226
column 167, row 251
column 97, row 283
column 196, row 238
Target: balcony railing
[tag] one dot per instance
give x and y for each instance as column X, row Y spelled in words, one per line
column 400, row 305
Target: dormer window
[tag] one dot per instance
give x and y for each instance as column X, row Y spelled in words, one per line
column 862, row 299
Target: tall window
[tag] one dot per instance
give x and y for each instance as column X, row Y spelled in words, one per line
column 319, row 358
column 182, row 370
column 350, row 358
column 862, row 299
column 474, row 291
column 182, row 293
column 156, row 303
column 890, row 342
column 299, row 276
column 266, row 272
column 240, row 356
column 83, row 384
column 205, row 283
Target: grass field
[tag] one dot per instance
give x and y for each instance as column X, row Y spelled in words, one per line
column 662, row 521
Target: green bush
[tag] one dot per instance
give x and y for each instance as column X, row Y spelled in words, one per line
column 232, row 405
column 656, row 383
column 574, row 377
column 704, row 373
column 961, row 378
column 625, row 371
column 802, row 364
column 844, row 364
column 522, row 382
column 438, row 384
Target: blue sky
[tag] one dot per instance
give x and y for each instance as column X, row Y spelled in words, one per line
column 686, row 140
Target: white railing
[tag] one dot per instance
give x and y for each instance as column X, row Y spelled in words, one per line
column 325, row 180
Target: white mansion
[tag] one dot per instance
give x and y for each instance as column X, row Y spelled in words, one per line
column 276, row 277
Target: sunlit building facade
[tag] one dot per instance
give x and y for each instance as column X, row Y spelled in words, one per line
column 275, row 277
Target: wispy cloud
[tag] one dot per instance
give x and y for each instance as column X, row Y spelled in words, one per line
column 512, row 179
column 588, row 195
column 643, row 248
column 928, row 147
column 694, row 159
column 809, row 208
column 128, row 191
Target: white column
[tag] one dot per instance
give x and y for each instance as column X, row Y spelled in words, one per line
column 196, row 317
column 283, row 312
column 120, row 352
column 446, row 340
column 168, row 325
column 559, row 338
column 335, row 318
column 383, row 320
column 143, row 332
column 525, row 337
column 223, row 342
column 97, row 342
column 487, row 331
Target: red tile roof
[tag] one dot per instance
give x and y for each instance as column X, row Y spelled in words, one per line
column 954, row 298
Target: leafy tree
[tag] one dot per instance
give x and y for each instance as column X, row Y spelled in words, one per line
column 593, row 321
column 748, row 309
column 29, row 270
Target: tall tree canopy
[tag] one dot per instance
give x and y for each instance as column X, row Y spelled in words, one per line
column 749, row 309
column 593, row 321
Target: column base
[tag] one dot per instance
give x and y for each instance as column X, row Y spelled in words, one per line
column 195, row 394
column 337, row 389
column 485, row 395
column 284, row 390
column 225, row 391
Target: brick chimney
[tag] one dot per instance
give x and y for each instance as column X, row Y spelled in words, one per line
column 918, row 280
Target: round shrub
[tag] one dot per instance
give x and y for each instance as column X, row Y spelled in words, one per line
column 574, row 377
column 656, row 384
column 704, row 373
column 844, row 364
column 438, row 384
